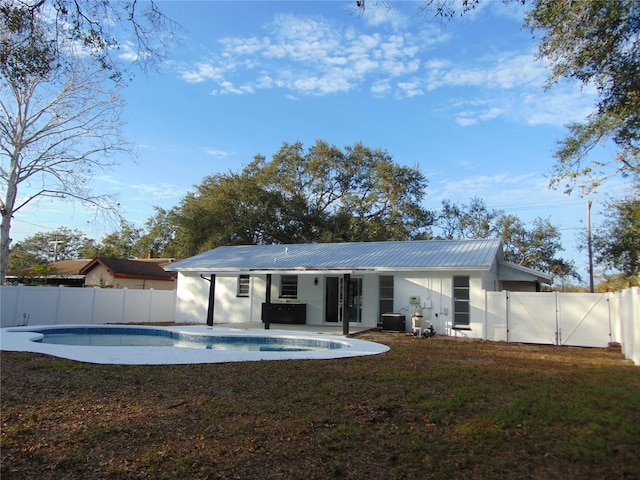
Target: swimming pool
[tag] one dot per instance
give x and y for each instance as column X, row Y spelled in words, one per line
column 99, row 336
column 118, row 344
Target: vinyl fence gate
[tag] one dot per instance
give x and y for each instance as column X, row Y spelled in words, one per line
column 553, row 318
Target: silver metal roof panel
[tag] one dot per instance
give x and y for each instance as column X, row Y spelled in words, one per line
column 417, row 254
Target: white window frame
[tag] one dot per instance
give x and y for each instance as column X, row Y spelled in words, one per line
column 244, row 286
column 288, row 286
column 462, row 303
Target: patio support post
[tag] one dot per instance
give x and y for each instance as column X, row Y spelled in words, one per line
column 212, row 300
column 345, row 304
column 268, row 303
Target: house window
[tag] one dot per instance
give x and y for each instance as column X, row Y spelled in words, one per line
column 461, row 310
column 243, row 285
column 385, row 297
column 289, row 286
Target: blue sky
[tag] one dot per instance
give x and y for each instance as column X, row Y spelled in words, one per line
column 464, row 101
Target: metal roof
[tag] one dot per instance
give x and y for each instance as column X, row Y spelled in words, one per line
column 409, row 255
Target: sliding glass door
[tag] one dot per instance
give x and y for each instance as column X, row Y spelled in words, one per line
column 334, row 299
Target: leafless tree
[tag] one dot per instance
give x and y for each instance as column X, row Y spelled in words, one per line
column 60, row 102
column 56, row 130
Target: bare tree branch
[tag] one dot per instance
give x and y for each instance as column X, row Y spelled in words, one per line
column 57, row 130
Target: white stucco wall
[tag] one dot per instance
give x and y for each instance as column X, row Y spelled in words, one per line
column 435, row 290
column 192, row 299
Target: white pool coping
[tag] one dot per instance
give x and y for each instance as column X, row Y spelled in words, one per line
column 19, row 339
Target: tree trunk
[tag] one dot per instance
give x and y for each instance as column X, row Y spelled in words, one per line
column 5, row 228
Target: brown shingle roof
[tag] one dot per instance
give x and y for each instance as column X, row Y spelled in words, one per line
column 70, row 267
column 161, row 262
column 129, row 268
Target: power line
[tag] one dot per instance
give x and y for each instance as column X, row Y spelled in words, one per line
column 533, row 206
column 15, row 220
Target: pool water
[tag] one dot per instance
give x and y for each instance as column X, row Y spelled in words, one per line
column 133, row 337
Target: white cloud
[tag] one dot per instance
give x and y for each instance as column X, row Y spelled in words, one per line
column 381, row 88
column 505, row 186
column 128, row 54
column 381, row 15
column 508, row 71
column 309, row 55
column 215, row 152
column 518, row 70
column 202, row 73
column 562, row 105
column 510, row 86
column 306, row 55
column 154, row 192
column 466, row 119
column 229, row 88
column 410, row 89
column 110, row 184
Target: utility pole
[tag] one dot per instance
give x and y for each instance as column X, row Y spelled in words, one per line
column 589, row 246
column 55, row 244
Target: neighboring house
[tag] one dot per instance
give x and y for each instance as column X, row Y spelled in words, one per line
column 133, row 274
column 325, row 284
column 64, row 273
column 67, row 273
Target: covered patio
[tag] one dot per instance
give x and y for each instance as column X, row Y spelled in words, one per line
column 307, row 328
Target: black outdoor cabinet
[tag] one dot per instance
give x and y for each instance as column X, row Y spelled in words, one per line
column 395, row 322
column 292, row 313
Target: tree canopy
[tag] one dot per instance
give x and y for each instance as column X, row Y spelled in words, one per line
column 238, row 209
column 48, row 247
column 596, row 43
column 616, row 243
column 535, row 247
column 105, row 30
column 323, row 194
column 122, row 243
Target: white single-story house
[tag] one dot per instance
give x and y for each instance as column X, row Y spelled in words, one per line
column 371, row 284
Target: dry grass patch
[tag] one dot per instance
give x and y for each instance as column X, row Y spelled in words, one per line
column 437, row 408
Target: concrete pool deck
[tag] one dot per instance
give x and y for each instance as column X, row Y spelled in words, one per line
column 20, row 339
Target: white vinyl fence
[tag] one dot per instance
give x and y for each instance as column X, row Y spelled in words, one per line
column 625, row 306
column 566, row 319
column 563, row 319
column 21, row 305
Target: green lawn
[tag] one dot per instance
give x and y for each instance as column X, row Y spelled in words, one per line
column 430, row 408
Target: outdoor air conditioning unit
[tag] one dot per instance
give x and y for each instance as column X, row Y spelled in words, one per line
column 394, row 322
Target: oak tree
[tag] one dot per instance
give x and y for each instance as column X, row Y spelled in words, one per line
column 616, row 243
column 537, row 246
column 323, row 194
